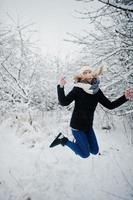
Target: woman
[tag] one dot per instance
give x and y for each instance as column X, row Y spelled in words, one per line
column 86, row 94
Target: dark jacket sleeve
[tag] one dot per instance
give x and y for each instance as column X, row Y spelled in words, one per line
column 108, row 104
column 65, row 100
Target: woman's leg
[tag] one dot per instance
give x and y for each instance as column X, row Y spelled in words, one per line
column 93, row 144
column 81, row 146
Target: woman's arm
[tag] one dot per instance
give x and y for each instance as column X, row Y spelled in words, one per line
column 64, row 100
column 111, row 105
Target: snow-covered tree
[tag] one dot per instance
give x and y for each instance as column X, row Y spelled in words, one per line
column 28, row 79
column 22, row 68
column 108, row 38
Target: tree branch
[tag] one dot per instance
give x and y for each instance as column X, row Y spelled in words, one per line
column 117, row 6
column 2, row 64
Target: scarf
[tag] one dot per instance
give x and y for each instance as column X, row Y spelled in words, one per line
column 90, row 88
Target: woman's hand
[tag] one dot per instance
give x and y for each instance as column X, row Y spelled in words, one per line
column 62, row 82
column 129, row 94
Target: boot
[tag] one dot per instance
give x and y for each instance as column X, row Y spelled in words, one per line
column 63, row 141
column 60, row 139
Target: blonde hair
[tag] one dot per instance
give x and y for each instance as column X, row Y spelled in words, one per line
column 100, row 70
column 97, row 72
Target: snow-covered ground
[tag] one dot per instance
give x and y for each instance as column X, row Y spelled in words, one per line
column 29, row 169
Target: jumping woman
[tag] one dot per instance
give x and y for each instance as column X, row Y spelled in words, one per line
column 86, row 94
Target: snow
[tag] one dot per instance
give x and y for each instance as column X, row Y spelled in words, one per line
column 29, row 169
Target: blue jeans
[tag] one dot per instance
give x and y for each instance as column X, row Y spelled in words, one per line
column 85, row 143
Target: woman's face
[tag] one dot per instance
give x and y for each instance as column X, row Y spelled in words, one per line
column 88, row 75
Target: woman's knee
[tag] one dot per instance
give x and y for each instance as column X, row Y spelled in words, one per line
column 95, row 151
column 85, row 155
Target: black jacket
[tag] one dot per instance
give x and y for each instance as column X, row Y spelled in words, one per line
column 85, row 105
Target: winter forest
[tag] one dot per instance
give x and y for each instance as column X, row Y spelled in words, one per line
column 31, row 116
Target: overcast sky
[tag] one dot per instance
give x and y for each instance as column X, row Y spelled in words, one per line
column 53, row 19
